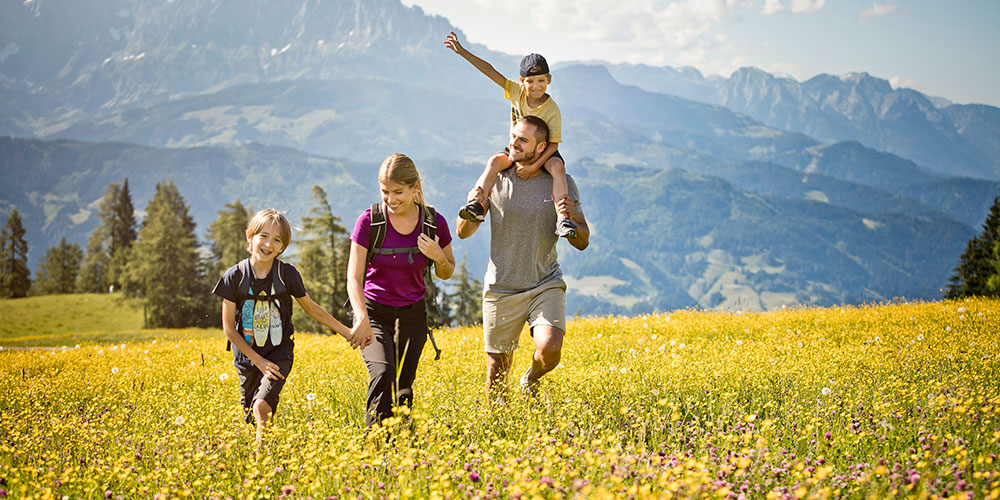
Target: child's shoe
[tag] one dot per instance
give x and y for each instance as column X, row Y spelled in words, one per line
column 473, row 212
column 565, row 228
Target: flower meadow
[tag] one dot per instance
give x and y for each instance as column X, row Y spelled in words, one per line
column 892, row 400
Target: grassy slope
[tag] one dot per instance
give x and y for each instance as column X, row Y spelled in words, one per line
column 65, row 320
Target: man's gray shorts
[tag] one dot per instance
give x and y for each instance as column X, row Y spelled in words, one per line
column 504, row 314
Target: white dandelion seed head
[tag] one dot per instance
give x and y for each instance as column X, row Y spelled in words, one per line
column 653, row 336
column 223, row 377
column 826, row 391
column 311, row 396
column 920, row 337
column 114, row 371
column 673, row 343
column 623, row 370
column 681, row 346
column 739, row 342
column 179, row 420
column 961, row 309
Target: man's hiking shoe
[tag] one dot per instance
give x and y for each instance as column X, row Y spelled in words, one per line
column 473, row 212
column 529, row 387
column 565, row 229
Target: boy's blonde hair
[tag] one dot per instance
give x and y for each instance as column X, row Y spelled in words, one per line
column 400, row 169
column 261, row 218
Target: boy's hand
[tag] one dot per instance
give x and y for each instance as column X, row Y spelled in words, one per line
column 527, row 171
column 451, row 41
column 270, row 369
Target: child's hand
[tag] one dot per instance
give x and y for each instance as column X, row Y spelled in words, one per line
column 451, row 41
column 526, row 171
column 270, row 369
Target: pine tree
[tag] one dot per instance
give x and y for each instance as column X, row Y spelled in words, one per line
column 164, row 266
column 15, row 277
column 322, row 261
column 59, row 269
column 227, row 235
column 978, row 269
column 467, row 297
column 119, row 219
column 95, row 263
column 110, row 243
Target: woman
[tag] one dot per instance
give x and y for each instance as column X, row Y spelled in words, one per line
column 389, row 290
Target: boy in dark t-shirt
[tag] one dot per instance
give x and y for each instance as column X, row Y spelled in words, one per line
column 257, row 315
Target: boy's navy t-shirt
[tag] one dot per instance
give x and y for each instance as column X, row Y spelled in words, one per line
column 228, row 288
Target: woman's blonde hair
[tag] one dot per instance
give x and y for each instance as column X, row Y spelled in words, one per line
column 399, row 168
column 261, row 218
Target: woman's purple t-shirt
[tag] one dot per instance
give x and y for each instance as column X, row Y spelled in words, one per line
column 392, row 280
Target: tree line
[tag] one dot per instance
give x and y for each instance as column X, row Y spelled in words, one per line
column 161, row 262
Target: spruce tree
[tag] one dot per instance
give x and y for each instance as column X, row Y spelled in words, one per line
column 978, row 269
column 110, row 243
column 322, row 259
column 164, row 266
column 438, row 307
column 467, row 297
column 227, row 235
column 59, row 268
column 15, row 277
column 119, row 219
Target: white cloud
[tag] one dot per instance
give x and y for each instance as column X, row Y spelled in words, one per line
column 642, row 24
column 878, row 9
column 794, row 6
column 899, row 82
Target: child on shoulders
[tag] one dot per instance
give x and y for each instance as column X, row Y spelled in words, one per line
column 527, row 97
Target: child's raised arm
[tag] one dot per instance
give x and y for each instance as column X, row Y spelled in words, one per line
column 451, row 41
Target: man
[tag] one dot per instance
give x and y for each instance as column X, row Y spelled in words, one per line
column 523, row 280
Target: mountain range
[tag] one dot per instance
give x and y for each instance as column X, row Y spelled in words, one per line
column 753, row 191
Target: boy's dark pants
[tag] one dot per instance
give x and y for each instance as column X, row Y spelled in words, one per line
column 393, row 350
column 254, row 386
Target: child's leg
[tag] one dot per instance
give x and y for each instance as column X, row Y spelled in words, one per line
column 560, row 189
column 497, row 163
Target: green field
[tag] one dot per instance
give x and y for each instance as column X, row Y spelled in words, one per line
column 899, row 400
column 65, row 320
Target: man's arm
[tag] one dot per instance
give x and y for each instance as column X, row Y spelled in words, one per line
column 464, row 228
column 582, row 238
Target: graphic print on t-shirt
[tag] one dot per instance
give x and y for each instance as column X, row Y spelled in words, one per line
column 275, row 323
column 247, row 315
column 261, row 319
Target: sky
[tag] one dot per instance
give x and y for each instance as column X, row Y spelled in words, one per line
column 942, row 48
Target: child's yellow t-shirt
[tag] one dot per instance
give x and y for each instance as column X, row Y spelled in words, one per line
column 548, row 111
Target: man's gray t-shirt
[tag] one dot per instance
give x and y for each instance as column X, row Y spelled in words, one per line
column 522, row 232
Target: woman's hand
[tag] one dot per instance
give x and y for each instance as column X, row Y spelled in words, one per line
column 431, row 248
column 361, row 334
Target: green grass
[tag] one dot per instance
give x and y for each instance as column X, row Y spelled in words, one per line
column 56, row 320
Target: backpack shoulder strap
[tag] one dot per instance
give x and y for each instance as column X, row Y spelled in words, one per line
column 279, row 281
column 429, row 227
column 377, row 230
column 244, row 286
column 429, row 223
